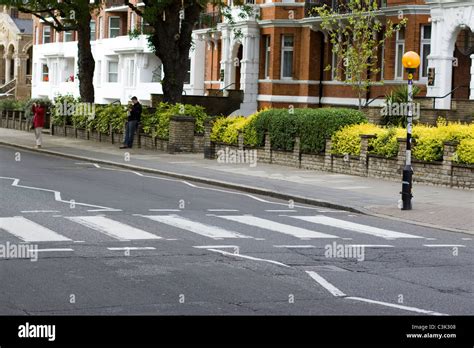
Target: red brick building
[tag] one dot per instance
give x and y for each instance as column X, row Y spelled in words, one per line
column 280, row 57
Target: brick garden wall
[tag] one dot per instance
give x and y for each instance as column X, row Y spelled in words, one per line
column 444, row 173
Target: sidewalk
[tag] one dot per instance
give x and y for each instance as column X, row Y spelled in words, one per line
column 451, row 209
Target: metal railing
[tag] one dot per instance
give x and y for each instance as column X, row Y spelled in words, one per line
column 339, row 6
column 208, row 20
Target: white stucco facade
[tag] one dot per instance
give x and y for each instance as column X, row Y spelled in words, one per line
column 123, row 68
column 448, row 18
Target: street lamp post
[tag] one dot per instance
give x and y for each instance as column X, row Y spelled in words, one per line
column 411, row 61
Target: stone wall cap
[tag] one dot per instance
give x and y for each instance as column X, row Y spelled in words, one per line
column 368, row 136
column 451, row 142
column 182, row 118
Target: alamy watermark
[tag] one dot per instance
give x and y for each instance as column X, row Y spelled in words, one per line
column 400, row 109
column 79, row 109
column 344, row 251
column 19, row 251
column 233, row 156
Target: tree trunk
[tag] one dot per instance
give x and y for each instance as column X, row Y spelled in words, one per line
column 85, row 60
column 172, row 46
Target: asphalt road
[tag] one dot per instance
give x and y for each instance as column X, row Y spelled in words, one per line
column 112, row 241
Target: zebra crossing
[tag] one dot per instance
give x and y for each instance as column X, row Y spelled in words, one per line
column 28, row 230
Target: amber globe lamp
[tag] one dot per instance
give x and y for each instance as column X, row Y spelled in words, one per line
column 411, row 60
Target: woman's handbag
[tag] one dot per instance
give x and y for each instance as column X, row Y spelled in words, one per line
column 32, row 123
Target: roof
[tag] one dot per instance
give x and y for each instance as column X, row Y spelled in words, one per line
column 25, row 25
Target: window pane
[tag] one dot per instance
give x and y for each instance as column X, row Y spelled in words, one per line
column 114, row 22
column 113, row 72
column 46, row 34
column 427, row 32
column 426, row 52
column 288, row 41
column 399, row 60
column 114, row 27
column 287, row 63
column 92, row 30
column 401, row 34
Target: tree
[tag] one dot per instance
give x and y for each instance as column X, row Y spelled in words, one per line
column 172, row 23
column 356, row 34
column 68, row 15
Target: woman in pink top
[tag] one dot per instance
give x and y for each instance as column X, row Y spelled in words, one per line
column 39, row 111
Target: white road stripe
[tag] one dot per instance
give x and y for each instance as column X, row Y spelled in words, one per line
column 248, row 257
column 370, row 245
column 325, row 284
column 51, row 250
column 276, row 226
column 112, row 228
column 29, row 231
column 352, row 226
column 223, row 210
column 57, row 195
column 444, row 245
column 132, row 248
column 466, row 238
column 40, row 211
column 294, row 246
column 215, row 246
column 195, row 227
column 393, row 305
column 164, row 209
column 281, row 211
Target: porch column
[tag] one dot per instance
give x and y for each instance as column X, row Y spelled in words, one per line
column 472, row 77
column 250, row 65
column 7, row 67
column 226, row 57
column 441, row 59
column 197, row 65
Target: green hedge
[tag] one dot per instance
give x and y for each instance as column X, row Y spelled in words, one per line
column 157, row 123
column 313, row 126
column 102, row 117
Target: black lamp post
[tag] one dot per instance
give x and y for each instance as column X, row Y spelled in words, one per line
column 411, row 61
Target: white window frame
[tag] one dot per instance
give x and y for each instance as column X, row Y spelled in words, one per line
column 333, row 67
column 133, row 21
column 283, row 50
column 43, row 74
column 109, row 73
column 267, row 56
column 47, row 28
column 93, row 29
column 130, row 80
column 101, row 27
column 70, row 34
column 424, row 42
column 399, row 43
column 115, row 28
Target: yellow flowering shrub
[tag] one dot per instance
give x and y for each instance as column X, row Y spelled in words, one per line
column 429, row 140
column 386, row 143
column 226, row 129
column 465, row 151
column 347, row 139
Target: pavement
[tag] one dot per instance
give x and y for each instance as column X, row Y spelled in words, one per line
column 109, row 240
column 433, row 206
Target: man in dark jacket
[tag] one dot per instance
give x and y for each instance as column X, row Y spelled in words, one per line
column 134, row 116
